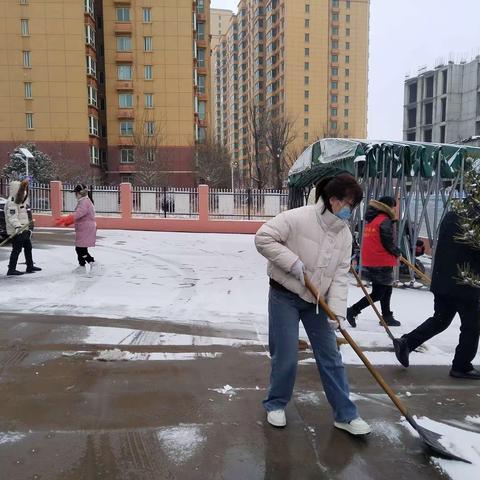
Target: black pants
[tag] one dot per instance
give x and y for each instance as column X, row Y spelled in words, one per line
column 446, row 307
column 382, row 293
column 20, row 241
column 83, row 256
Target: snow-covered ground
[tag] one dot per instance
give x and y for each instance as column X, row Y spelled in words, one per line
column 205, row 280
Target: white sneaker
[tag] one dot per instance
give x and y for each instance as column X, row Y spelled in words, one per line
column 277, row 418
column 356, row 427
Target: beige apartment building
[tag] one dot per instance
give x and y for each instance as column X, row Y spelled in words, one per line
column 304, row 60
column 100, row 83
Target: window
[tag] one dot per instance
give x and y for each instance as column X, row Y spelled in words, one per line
column 149, row 100
column 305, row 108
column 429, row 87
column 333, row 98
column 444, row 80
column 307, row 23
column 335, row 58
column 200, row 31
column 348, row 3
column 429, row 113
column 26, row 59
column 125, row 100
column 200, row 6
column 306, row 94
column 334, row 30
column 334, row 71
column 124, row 72
column 307, row 52
column 126, row 178
column 202, row 110
column 25, row 27
column 126, row 128
column 335, row 17
column 147, row 15
column 93, row 125
column 92, row 95
column 444, row 108
column 347, row 46
column 149, row 128
column 335, row 3
column 307, row 37
column 89, row 6
column 29, row 121
column 306, row 80
column 347, row 18
column 148, row 72
column 333, row 125
column 306, row 66
column 345, row 112
column 345, row 126
column 94, row 155
column 347, row 32
column 123, row 14
column 411, row 137
column 427, row 135
column 347, row 59
column 201, row 57
column 347, row 72
column 89, row 35
column 442, row 134
column 127, row 155
column 347, row 86
column 305, row 136
column 305, row 122
column 334, row 43
column 147, row 44
column 28, row 89
column 333, row 112
column 307, row 8
column 91, row 66
column 201, row 84
column 24, row 2
column 124, row 44
column 347, row 99
column 334, row 85
column 412, row 117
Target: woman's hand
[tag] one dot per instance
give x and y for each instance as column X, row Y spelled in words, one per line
column 298, row 271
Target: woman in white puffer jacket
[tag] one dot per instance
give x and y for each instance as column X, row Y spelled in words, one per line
column 314, row 240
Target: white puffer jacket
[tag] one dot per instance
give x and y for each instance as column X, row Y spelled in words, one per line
column 16, row 214
column 323, row 243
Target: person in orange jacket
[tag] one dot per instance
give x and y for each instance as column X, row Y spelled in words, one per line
column 85, row 226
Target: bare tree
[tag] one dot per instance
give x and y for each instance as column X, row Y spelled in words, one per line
column 151, row 160
column 258, row 164
column 279, row 135
column 213, row 163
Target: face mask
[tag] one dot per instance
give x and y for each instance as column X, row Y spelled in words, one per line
column 344, row 213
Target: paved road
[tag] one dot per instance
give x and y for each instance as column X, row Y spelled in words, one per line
column 166, row 413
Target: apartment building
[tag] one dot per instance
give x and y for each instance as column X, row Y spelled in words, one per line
column 94, row 82
column 304, row 60
column 442, row 105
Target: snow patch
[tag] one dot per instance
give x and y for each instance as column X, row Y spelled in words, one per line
column 116, row 355
column 471, row 419
column 182, row 442
column 308, row 397
column 10, row 437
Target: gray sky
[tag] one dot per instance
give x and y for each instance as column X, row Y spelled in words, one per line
column 406, row 35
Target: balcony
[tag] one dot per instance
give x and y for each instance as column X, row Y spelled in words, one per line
column 124, row 57
column 123, row 27
column 124, row 85
column 128, row 113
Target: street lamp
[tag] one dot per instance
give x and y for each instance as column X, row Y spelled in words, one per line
column 25, row 154
column 232, row 166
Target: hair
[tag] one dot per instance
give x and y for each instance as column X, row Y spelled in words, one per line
column 83, row 191
column 341, row 186
column 388, row 201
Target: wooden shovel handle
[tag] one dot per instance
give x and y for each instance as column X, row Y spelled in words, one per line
column 426, row 278
column 398, row 403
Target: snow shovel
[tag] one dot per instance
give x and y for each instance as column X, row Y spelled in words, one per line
column 372, row 304
column 431, row 439
column 426, row 278
column 20, row 230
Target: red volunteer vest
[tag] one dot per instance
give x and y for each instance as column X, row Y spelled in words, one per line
column 373, row 253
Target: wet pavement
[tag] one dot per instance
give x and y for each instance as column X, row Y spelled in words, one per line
column 188, row 406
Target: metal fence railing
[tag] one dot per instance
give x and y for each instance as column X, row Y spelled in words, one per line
column 165, row 202
column 39, row 195
column 105, row 198
column 246, row 204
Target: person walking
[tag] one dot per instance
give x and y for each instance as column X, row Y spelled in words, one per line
column 313, row 240
column 379, row 255
column 16, row 220
column 451, row 297
column 85, row 227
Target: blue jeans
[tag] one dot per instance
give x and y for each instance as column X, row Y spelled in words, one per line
column 285, row 310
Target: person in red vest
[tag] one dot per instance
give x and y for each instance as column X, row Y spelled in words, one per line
column 379, row 255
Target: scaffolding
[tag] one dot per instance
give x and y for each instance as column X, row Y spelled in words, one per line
column 424, row 178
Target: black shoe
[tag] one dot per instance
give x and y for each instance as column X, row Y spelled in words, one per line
column 352, row 313
column 401, row 351
column 33, row 269
column 390, row 321
column 14, row 272
column 472, row 374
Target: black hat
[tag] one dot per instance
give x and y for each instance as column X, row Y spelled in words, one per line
column 389, row 201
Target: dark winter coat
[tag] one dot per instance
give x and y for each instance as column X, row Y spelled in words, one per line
column 449, row 255
column 379, row 252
